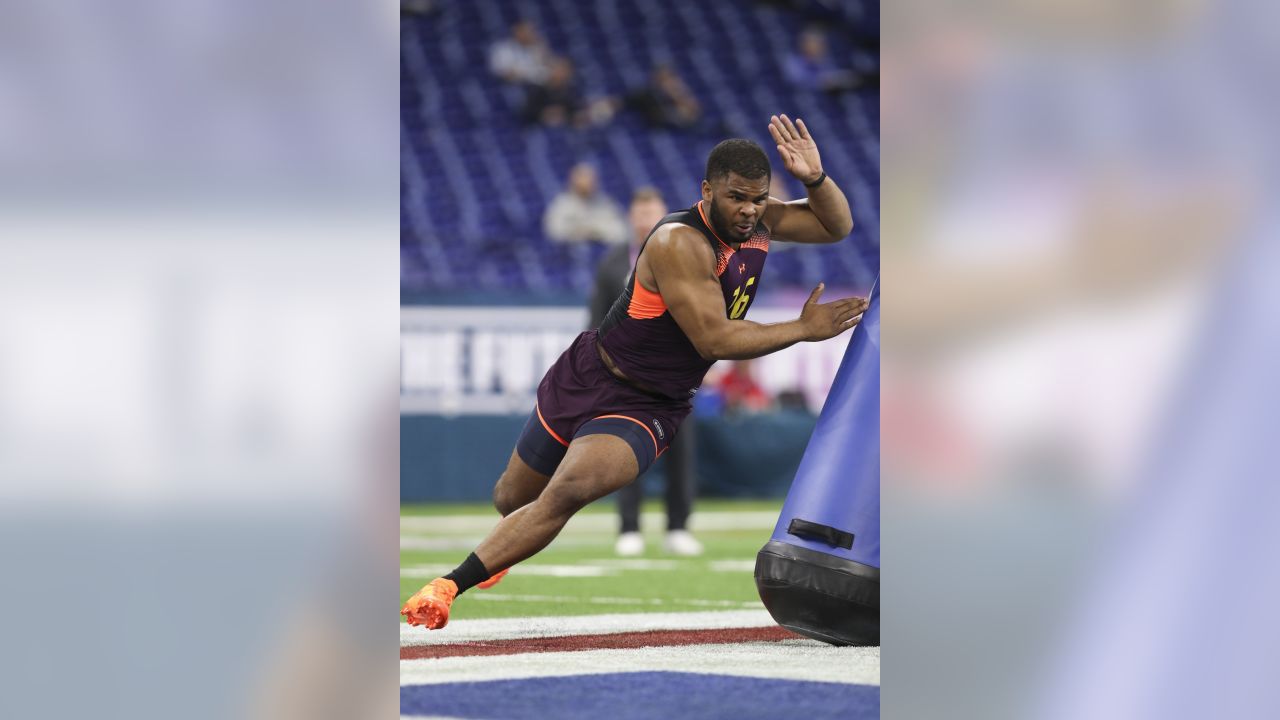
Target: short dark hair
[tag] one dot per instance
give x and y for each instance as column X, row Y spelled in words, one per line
column 740, row 156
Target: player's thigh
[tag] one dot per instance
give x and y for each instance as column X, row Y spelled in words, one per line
column 537, row 454
column 594, row 466
column 518, row 486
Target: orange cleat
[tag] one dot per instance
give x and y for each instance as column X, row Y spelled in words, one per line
column 430, row 605
column 493, row 580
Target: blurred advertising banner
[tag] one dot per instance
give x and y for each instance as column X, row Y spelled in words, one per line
column 489, row 360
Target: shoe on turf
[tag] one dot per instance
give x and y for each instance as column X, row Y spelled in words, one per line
column 430, row 605
column 630, row 544
column 497, row 578
column 682, row 542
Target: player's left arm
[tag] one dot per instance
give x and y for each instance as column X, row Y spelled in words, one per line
column 824, row 216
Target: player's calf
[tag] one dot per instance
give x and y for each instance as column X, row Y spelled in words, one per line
column 505, row 501
column 570, row 492
column 518, row 486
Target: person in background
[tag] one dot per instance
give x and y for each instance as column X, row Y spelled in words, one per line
column 581, row 213
column 523, row 58
column 559, row 102
column 742, row 392
column 647, row 209
column 811, row 66
column 666, row 102
column 421, row 8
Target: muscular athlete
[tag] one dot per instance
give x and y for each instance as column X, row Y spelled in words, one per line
column 612, row 403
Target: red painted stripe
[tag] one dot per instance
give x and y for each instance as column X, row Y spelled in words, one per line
column 610, row 641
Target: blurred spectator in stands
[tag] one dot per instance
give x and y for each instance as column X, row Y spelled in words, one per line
column 523, row 58
column 582, row 213
column 666, row 102
column 811, row 66
column 422, row 8
column 647, row 208
column 794, row 400
column 742, row 393
column 559, row 102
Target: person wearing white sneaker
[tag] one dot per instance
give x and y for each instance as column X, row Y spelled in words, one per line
column 678, row 499
column 630, row 544
column 682, row 542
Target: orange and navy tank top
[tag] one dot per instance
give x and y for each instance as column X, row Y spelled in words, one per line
column 643, row 338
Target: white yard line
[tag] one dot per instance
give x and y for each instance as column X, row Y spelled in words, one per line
column 746, row 565
column 639, row 563
column 594, row 567
column 511, row 628
column 416, row 542
column 590, row 522
column 468, row 543
column 597, row 600
column 582, row 570
column 789, row 659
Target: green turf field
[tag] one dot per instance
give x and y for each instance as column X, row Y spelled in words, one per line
column 579, row 573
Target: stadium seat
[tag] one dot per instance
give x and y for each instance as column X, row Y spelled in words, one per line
column 475, row 181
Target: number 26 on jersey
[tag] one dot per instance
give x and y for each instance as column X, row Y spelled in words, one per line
column 738, row 307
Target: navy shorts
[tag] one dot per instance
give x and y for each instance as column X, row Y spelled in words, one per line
column 579, row 396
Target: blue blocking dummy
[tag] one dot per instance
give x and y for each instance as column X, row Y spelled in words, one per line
column 819, row 575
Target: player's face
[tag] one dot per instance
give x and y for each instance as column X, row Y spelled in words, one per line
column 737, row 205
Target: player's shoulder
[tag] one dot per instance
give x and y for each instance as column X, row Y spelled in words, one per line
column 678, row 241
column 677, row 234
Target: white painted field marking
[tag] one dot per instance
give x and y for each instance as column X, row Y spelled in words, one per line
column 588, row 522
column 605, row 567
column 596, row 600
column 432, row 571
column 463, row 630
column 733, row 565
column 424, row 543
column 468, row 543
column 639, row 563
column 799, row 659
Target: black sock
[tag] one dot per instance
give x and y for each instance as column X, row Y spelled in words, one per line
column 469, row 574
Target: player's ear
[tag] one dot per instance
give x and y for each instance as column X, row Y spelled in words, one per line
column 706, row 190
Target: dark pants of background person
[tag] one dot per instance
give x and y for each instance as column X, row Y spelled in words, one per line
column 680, row 485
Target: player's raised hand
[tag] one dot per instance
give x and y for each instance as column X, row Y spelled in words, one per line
column 798, row 150
column 830, row 319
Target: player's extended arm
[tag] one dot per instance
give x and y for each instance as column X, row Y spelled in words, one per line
column 824, row 216
column 683, row 269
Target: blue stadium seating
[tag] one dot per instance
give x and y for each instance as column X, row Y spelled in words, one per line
column 475, row 182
